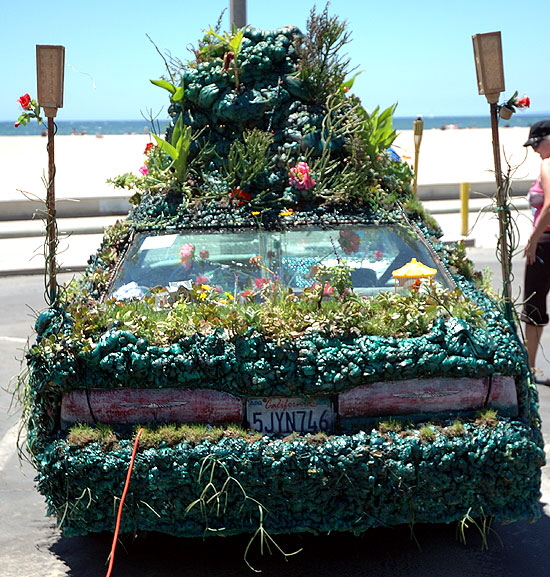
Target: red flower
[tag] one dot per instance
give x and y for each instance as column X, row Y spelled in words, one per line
column 523, row 102
column 148, row 147
column 25, row 102
column 241, row 195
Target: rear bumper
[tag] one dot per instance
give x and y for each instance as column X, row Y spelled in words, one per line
column 310, row 483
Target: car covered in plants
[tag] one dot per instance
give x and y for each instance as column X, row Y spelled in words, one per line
column 280, row 322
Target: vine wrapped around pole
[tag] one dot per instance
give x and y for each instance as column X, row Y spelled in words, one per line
column 51, row 223
column 502, row 208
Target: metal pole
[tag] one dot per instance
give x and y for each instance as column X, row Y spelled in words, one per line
column 237, row 13
column 51, row 232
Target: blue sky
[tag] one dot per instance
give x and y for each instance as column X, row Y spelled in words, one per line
column 416, row 54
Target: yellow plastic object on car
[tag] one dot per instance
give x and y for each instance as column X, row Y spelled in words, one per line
column 411, row 274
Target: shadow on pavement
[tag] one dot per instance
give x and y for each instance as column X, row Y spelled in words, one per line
column 517, row 549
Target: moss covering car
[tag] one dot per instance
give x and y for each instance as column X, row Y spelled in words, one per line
column 257, row 318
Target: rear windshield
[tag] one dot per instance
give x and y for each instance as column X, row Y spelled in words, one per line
column 234, row 262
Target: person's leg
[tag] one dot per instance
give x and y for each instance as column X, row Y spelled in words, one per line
column 536, row 287
column 532, row 336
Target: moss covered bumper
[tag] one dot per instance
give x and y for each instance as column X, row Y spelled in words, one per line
column 344, row 483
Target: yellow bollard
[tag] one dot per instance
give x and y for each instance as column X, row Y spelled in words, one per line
column 464, row 200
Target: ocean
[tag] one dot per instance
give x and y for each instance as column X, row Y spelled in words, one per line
column 96, row 127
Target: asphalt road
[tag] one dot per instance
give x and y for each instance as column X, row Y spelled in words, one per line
column 31, row 546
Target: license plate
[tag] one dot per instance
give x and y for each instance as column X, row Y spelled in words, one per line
column 285, row 415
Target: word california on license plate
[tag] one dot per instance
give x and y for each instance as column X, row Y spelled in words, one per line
column 285, row 415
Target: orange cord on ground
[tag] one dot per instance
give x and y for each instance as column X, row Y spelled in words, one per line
column 121, row 504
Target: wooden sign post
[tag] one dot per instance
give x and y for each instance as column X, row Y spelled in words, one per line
column 490, row 82
column 50, row 65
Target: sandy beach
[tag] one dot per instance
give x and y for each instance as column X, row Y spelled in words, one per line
column 466, row 155
column 85, row 162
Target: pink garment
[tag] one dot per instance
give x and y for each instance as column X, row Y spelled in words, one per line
column 535, row 196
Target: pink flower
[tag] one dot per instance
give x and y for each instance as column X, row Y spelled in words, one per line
column 144, row 170
column 349, row 241
column 299, row 177
column 187, row 252
column 260, row 282
column 327, row 288
column 201, row 280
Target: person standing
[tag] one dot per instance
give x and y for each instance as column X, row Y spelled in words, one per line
column 537, row 249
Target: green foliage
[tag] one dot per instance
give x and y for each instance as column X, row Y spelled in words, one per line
column 376, row 130
column 292, row 105
column 321, row 66
column 488, row 417
column 482, row 524
column 427, row 433
column 368, row 175
column 176, row 93
column 81, row 435
column 391, row 425
column 458, row 260
column 248, row 158
column 415, row 209
column 279, row 315
column 162, row 435
column 178, row 148
column 457, row 429
column 227, row 45
column 338, row 276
